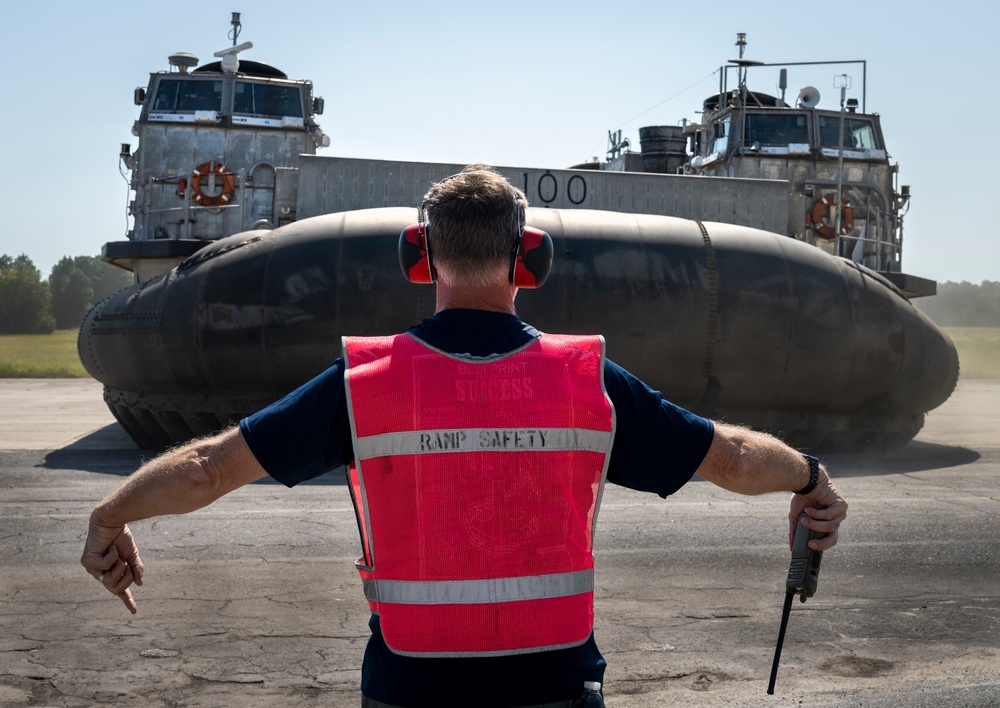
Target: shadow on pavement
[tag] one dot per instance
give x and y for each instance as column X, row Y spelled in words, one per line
column 915, row 456
column 108, row 450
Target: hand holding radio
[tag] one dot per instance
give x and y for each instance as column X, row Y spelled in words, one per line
column 825, row 510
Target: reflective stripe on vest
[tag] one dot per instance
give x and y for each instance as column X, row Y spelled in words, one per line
column 477, row 484
column 425, row 442
column 471, row 592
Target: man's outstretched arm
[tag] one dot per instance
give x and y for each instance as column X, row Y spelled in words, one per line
column 182, row 480
column 747, row 462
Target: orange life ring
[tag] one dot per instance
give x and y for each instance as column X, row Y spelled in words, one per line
column 819, row 216
column 228, row 184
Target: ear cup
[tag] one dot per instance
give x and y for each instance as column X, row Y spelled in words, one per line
column 415, row 254
column 532, row 260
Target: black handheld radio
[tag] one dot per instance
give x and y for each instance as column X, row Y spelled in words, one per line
column 803, row 578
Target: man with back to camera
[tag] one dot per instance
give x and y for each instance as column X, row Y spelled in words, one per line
column 477, row 451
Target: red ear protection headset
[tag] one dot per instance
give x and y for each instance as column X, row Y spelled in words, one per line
column 530, row 258
column 415, row 255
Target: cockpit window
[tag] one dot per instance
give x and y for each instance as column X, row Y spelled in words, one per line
column 267, row 100
column 776, row 129
column 720, row 136
column 859, row 133
column 188, row 95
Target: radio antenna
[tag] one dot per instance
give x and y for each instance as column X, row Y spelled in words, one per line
column 234, row 33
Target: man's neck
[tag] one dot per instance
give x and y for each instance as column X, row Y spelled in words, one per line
column 473, row 297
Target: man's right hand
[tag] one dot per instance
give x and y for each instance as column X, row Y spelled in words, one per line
column 184, row 479
column 111, row 556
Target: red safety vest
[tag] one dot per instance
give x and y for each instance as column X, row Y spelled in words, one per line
column 477, row 484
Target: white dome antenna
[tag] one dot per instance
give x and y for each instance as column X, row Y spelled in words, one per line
column 183, row 61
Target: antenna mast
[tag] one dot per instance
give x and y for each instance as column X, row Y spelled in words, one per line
column 741, row 42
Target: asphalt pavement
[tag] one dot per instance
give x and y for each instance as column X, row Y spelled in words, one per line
column 254, row 601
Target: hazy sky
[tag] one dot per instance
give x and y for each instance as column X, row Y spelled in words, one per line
column 535, row 84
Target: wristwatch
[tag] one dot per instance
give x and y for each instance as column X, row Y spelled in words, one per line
column 813, row 475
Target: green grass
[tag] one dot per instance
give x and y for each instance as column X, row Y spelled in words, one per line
column 53, row 356
column 978, row 351
column 40, row 356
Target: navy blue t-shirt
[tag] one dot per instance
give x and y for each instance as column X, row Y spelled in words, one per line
column 657, row 448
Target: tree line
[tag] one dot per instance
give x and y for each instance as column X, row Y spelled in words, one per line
column 31, row 305
column 963, row 304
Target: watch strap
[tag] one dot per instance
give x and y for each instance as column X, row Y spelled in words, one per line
column 813, row 475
